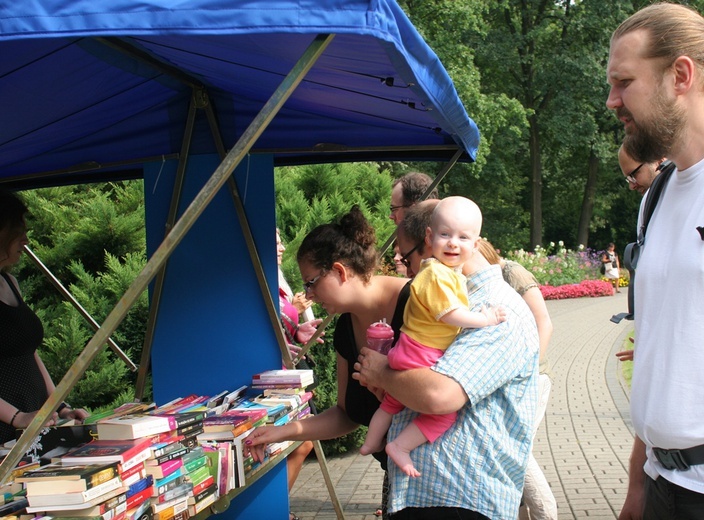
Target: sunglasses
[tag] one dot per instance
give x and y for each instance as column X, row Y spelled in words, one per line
column 307, row 286
column 405, row 259
column 631, row 177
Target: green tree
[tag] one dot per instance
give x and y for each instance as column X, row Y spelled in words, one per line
column 92, row 238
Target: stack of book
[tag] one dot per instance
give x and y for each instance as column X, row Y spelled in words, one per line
column 204, row 488
column 80, row 490
column 225, row 427
column 272, row 379
column 12, row 498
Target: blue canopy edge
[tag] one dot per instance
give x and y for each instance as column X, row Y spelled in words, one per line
column 378, row 88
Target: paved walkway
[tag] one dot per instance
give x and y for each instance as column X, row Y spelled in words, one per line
column 583, row 444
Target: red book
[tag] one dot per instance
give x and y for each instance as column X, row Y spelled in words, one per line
column 128, row 453
column 203, row 484
column 139, row 497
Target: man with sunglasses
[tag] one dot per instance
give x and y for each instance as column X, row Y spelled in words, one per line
column 638, row 175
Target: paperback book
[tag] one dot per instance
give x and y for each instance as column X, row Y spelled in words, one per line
column 128, row 453
column 57, row 478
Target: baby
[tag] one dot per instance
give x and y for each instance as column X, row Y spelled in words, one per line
column 436, row 311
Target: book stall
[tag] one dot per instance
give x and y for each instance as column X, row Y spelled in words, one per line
column 202, row 100
column 179, row 460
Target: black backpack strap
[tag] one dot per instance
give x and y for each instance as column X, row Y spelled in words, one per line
column 632, row 251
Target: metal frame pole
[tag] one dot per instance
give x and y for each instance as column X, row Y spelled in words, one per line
column 174, row 237
column 72, row 300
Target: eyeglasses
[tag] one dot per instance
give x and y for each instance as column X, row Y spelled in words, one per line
column 631, row 177
column 395, row 208
column 307, row 286
column 405, row 259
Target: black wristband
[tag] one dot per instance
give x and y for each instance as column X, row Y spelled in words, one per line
column 12, row 421
column 62, row 406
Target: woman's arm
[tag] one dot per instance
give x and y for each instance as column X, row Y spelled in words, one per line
column 536, row 303
column 45, row 375
column 440, row 394
column 66, row 412
column 330, row 424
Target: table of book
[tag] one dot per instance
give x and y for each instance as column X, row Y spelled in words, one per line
column 159, row 441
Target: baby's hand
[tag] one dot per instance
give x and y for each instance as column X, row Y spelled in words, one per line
column 494, row 315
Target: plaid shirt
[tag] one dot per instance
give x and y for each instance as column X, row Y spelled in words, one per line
column 479, row 463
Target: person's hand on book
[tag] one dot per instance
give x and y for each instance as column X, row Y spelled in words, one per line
column 77, row 414
column 307, row 330
column 256, row 442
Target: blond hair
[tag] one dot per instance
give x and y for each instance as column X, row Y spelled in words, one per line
column 487, row 251
column 675, row 30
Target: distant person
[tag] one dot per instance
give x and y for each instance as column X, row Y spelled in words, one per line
column 292, row 307
column 437, row 310
column 25, row 383
column 538, row 499
column 638, row 175
column 398, row 264
column 656, row 77
column 612, row 266
column 408, row 190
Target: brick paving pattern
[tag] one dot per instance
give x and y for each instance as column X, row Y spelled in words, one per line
column 583, row 444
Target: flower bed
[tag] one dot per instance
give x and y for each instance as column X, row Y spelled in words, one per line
column 592, row 288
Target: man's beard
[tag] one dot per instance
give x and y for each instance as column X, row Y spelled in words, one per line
column 654, row 139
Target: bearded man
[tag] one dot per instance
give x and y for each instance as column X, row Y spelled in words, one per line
column 656, row 74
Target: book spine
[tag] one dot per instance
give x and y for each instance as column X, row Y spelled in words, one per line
column 188, row 419
column 163, row 450
column 101, row 489
column 200, row 506
column 164, row 488
column 204, row 493
column 139, row 498
column 195, row 464
column 179, row 491
column 113, row 502
column 187, row 430
column 173, row 476
column 199, row 474
column 169, row 456
column 170, row 512
column 104, row 475
column 203, row 484
column 137, row 460
column 140, row 486
column 165, row 469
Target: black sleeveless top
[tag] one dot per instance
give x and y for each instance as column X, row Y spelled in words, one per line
column 360, row 403
column 21, row 381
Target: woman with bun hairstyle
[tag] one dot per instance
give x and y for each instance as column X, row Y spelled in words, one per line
column 337, row 263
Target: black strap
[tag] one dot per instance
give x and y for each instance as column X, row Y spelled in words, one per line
column 12, row 286
column 680, row 459
column 632, row 251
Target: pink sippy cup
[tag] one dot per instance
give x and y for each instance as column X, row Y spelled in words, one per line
column 380, row 336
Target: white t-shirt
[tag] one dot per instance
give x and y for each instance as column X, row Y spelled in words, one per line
column 667, row 396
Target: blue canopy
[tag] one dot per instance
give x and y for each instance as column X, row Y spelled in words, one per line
column 90, row 86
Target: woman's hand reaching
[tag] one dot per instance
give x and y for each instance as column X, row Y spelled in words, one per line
column 307, row 330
